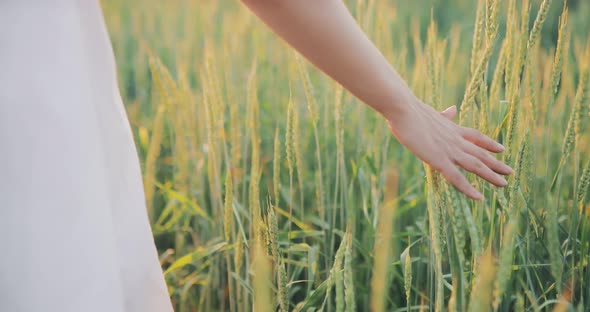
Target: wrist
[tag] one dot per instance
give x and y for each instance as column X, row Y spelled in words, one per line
column 400, row 107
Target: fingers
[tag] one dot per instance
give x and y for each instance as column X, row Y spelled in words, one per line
column 475, row 165
column 473, row 157
column 482, row 140
column 456, row 178
column 487, row 159
column 450, row 112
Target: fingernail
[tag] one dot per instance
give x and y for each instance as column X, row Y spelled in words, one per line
column 502, row 147
column 504, row 182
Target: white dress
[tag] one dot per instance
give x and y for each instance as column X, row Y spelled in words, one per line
column 74, row 232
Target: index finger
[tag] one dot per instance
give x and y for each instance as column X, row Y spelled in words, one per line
column 482, row 140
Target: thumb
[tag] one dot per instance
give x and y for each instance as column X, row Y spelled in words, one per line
column 450, row 112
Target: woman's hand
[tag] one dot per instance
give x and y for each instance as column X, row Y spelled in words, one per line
column 438, row 141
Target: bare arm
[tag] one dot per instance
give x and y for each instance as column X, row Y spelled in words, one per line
column 327, row 35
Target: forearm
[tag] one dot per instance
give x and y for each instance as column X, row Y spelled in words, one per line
column 327, row 35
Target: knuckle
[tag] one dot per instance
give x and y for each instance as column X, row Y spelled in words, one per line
column 471, row 163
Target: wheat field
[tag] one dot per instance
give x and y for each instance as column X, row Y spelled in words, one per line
column 269, row 187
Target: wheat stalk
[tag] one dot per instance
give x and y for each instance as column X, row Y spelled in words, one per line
column 382, row 246
column 277, row 167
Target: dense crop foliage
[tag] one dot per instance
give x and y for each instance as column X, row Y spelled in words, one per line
column 271, row 188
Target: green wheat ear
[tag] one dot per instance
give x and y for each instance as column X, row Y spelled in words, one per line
column 349, row 276
column 337, row 270
column 407, row 272
column 556, row 70
column 279, row 264
column 538, row 24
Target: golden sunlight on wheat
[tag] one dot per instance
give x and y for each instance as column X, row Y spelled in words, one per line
column 271, row 188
